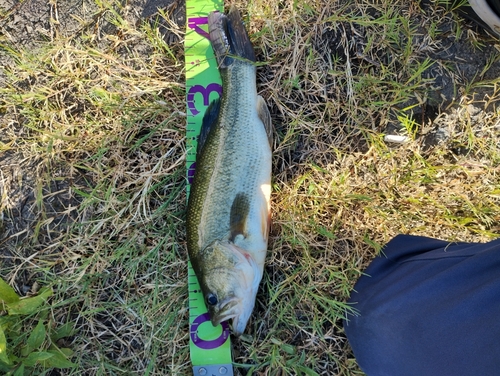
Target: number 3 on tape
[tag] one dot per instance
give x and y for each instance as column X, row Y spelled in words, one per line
column 210, row 348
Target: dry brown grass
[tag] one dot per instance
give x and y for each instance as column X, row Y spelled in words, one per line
column 92, row 180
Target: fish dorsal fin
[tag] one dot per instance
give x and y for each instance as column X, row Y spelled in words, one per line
column 265, row 117
column 240, row 209
column 208, row 122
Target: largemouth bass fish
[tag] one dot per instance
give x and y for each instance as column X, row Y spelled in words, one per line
column 228, row 215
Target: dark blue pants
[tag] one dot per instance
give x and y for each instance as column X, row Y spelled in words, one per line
column 428, row 307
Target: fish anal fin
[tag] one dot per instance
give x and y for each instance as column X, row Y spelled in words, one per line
column 266, row 223
column 265, row 117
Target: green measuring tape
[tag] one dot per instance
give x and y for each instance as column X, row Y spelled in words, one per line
column 210, row 347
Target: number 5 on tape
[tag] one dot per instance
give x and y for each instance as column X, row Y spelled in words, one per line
column 210, row 347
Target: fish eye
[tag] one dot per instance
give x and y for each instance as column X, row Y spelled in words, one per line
column 211, row 299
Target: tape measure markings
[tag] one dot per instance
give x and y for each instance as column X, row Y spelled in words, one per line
column 210, row 347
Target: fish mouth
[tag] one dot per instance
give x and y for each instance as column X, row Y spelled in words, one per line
column 233, row 309
column 229, row 310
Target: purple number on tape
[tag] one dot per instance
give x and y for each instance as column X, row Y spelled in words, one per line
column 194, row 23
column 205, row 91
column 208, row 344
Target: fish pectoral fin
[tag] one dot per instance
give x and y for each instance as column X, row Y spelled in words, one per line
column 208, row 123
column 265, row 117
column 240, row 209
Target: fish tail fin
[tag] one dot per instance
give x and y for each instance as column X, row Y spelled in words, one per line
column 229, row 38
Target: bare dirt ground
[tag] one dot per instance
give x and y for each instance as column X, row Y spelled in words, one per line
column 29, row 193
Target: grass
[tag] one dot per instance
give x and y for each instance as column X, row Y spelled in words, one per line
column 92, row 193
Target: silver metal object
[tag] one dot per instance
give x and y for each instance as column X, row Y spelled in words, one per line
column 213, row 370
